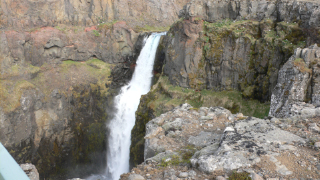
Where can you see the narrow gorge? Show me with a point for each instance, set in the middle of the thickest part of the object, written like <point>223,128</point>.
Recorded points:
<point>233,90</point>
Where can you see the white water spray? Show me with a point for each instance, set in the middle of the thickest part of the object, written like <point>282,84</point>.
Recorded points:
<point>127,103</point>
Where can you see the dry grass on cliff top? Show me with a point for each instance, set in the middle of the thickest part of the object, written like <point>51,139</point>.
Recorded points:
<point>148,28</point>
<point>46,78</point>
<point>301,65</point>
<point>11,92</point>
<point>169,96</point>
<point>71,73</point>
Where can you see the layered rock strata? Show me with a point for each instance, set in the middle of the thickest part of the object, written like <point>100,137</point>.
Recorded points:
<point>307,12</point>
<point>21,14</point>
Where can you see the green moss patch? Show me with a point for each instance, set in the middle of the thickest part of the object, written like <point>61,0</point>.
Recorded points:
<point>148,28</point>
<point>10,93</point>
<point>169,96</point>
<point>45,78</point>
<point>301,65</point>
<point>240,176</point>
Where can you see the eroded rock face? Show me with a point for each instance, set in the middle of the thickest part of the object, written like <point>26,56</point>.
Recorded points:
<point>52,45</point>
<point>297,83</point>
<point>239,55</point>
<point>27,14</point>
<point>283,10</point>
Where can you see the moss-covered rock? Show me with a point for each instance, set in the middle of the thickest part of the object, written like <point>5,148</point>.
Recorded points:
<point>234,55</point>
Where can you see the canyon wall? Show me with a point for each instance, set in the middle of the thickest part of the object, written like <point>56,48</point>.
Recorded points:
<point>305,11</point>
<point>56,94</point>
<point>28,14</point>
<point>243,52</point>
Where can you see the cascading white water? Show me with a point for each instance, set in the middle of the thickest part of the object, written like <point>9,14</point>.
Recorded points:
<point>127,103</point>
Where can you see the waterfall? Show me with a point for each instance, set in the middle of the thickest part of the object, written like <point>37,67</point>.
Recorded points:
<point>127,102</point>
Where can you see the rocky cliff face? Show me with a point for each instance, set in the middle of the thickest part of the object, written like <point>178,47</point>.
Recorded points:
<point>284,10</point>
<point>206,50</point>
<point>56,93</point>
<point>28,14</point>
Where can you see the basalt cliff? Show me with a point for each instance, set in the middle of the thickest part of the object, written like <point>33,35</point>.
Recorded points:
<point>246,69</point>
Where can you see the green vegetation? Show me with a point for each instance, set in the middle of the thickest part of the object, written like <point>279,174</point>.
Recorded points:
<point>240,176</point>
<point>11,92</point>
<point>65,29</point>
<point>301,65</point>
<point>184,157</point>
<point>71,73</point>
<point>96,33</point>
<point>169,96</point>
<point>107,25</point>
<point>62,28</point>
<point>170,161</point>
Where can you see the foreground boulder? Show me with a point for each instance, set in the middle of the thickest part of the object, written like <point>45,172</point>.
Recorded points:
<point>207,142</point>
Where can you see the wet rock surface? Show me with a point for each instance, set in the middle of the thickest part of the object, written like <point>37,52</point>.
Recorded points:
<point>206,143</point>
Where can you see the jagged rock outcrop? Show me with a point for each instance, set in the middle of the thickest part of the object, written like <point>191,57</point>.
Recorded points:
<point>308,12</point>
<point>23,14</point>
<point>208,142</point>
<point>297,83</point>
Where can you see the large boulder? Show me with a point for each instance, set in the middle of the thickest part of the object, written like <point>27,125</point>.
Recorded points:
<point>297,82</point>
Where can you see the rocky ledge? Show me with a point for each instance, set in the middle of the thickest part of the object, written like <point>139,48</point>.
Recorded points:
<point>206,143</point>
